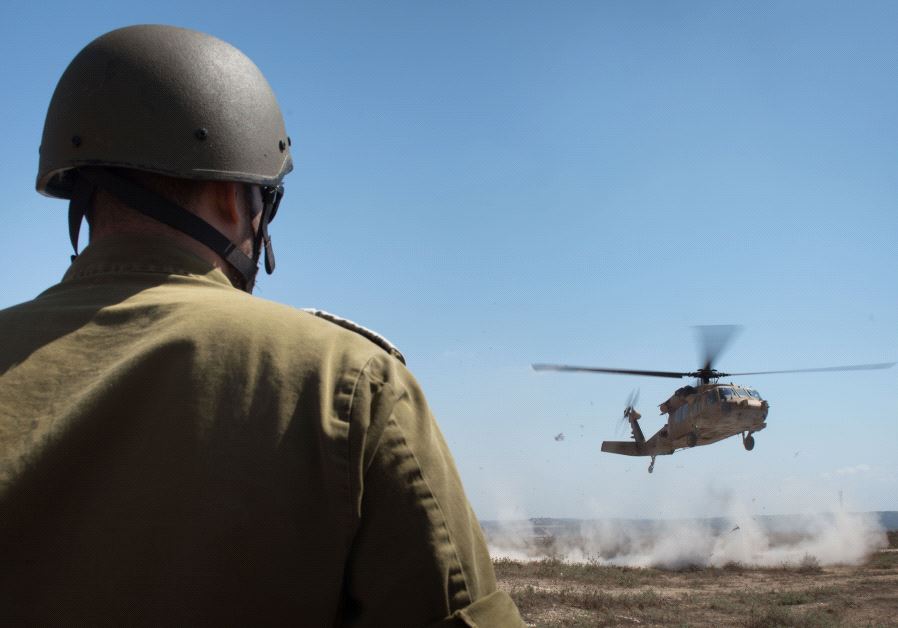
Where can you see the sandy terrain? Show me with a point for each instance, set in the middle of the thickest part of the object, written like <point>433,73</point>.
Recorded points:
<point>552,593</point>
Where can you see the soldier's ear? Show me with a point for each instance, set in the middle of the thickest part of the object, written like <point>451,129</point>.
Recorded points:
<point>226,203</point>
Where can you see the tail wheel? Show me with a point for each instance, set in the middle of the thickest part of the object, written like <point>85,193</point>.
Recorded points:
<point>748,442</point>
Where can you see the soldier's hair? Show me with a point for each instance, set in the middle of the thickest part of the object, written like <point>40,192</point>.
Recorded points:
<point>107,213</point>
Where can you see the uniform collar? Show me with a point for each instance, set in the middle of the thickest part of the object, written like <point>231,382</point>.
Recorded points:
<point>141,254</point>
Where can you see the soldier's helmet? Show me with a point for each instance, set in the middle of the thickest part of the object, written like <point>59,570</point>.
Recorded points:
<point>166,100</point>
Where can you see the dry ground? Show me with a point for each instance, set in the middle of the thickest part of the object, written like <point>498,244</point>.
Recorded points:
<point>552,593</point>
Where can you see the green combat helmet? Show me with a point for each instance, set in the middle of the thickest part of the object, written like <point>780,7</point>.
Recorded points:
<point>170,101</point>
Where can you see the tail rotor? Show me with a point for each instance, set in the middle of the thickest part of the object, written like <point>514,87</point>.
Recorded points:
<point>632,400</point>
<point>632,417</point>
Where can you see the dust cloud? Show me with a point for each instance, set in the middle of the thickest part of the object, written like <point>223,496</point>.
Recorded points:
<point>831,538</point>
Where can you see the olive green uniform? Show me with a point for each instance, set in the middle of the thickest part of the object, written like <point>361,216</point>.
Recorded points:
<point>175,451</point>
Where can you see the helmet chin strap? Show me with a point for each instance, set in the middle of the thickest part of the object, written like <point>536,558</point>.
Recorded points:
<point>159,208</point>
<point>262,239</point>
<point>79,203</point>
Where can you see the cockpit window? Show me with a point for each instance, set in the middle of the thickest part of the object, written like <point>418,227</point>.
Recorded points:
<point>752,393</point>
<point>726,393</point>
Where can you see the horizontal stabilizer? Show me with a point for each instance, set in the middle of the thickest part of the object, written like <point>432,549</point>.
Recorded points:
<point>627,448</point>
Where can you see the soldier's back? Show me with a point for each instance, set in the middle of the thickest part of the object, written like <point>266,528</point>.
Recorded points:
<point>172,448</point>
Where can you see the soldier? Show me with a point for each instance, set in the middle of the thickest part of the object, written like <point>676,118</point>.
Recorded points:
<point>175,451</point>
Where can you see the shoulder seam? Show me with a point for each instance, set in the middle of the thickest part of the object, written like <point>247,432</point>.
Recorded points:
<point>372,336</point>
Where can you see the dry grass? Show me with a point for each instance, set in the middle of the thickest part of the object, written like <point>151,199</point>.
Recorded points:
<point>552,593</point>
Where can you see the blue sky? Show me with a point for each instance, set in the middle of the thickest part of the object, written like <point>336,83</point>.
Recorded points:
<point>495,184</point>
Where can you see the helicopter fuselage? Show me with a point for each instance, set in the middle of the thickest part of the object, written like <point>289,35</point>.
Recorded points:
<point>699,416</point>
<point>714,412</point>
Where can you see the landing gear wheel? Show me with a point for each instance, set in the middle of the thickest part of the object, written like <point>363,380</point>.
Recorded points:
<point>652,465</point>
<point>748,442</point>
<point>692,439</point>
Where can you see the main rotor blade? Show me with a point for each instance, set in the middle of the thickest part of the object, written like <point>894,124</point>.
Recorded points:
<point>591,369</point>
<point>853,367</point>
<point>714,340</point>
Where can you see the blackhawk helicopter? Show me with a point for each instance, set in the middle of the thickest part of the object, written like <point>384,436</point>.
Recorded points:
<point>703,413</point>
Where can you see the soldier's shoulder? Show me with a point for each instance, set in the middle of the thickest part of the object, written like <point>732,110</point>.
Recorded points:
<point>313,328</point>
<point>370,335</point>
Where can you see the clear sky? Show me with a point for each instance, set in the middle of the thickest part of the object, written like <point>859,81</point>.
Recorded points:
<point>490,184</point>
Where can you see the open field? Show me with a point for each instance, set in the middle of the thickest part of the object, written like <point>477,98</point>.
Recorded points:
<point>553,593</point>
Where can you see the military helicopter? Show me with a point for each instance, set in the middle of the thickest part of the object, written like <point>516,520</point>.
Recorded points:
<point>703,413</point>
